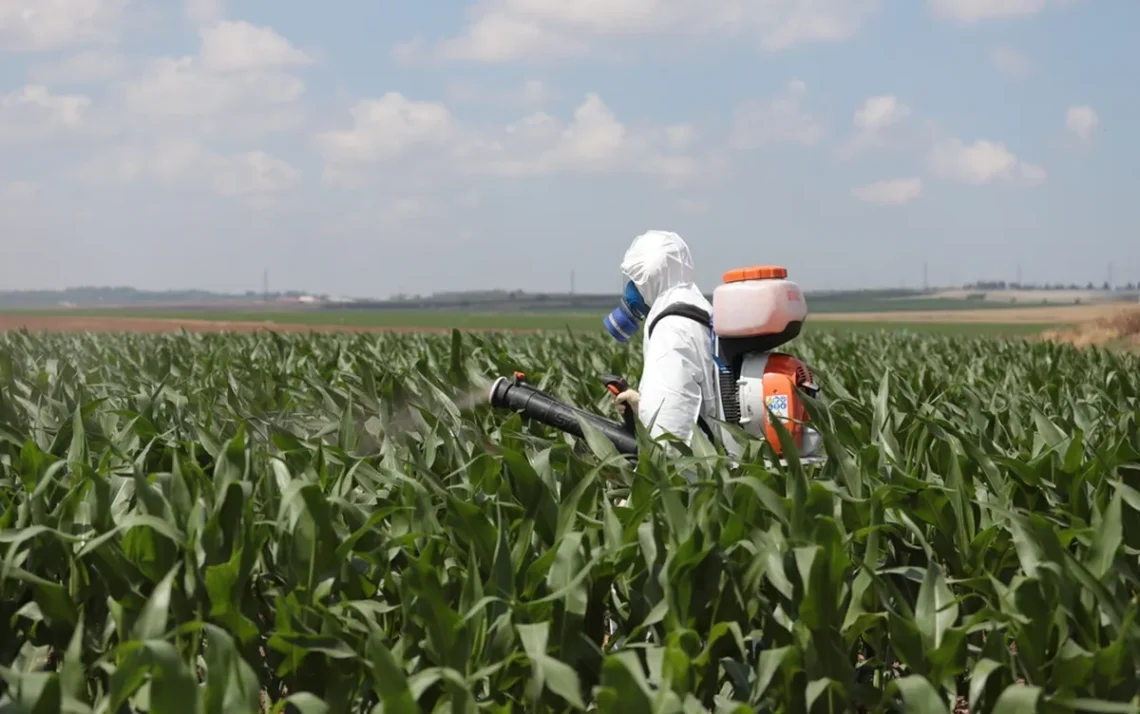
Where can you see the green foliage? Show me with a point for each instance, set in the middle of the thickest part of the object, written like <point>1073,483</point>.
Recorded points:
<point>234,523</point>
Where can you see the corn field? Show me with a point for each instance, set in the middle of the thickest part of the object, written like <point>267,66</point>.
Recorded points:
<point>334,523</point>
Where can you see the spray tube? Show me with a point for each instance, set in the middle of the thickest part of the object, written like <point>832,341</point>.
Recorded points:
<point>535,404</point>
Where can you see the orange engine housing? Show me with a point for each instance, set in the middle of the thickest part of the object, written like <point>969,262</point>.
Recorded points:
<point>778,390</point>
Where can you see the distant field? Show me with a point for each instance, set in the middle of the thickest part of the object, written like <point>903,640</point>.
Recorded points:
<point>822,310</point>
<point>397,319</point>
<point>1033,297</point>
<point>964,329</point>
<point>841,303</point>
<point>957,323</point>
<point>907,304</point>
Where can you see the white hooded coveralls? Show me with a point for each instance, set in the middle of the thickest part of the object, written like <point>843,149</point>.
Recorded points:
<point>678,380</point>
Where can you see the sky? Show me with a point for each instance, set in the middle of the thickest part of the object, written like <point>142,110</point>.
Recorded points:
<point>369,148</point>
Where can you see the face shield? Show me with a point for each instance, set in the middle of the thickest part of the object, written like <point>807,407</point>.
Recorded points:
<point>623,322</point>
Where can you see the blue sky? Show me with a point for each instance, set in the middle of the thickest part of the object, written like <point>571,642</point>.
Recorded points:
<point>370,148</point>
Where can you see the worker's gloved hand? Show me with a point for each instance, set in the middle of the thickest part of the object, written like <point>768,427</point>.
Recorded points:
<point>630,397</point>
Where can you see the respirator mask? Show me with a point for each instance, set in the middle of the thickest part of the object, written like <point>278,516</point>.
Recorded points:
<point>623,322</point>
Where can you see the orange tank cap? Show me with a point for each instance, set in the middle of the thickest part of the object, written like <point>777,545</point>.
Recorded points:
<point>756,272</point>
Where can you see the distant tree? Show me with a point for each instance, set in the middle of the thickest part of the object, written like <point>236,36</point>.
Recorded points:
<point>986,285</point>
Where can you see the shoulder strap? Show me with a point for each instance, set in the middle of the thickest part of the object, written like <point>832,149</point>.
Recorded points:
<point>683,309</point>
<point>692,312</point>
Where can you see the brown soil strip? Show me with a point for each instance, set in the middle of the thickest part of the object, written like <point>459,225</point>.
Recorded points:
<point>1061,315</point>
<point>79,323</point>
<point>1067,314</point>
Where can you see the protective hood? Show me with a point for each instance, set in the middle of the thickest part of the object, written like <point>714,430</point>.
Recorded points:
<point>660,265</point>
<point>678,375</point>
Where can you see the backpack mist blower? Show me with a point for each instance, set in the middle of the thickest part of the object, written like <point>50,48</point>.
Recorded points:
<point>755,311</point>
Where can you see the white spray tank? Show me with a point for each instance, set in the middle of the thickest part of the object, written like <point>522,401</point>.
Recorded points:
<point>756,310</point>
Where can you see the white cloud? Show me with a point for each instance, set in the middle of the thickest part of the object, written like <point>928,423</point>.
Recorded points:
<point>237,83</point>
<point>876,121</point>
<point>893,192</point>
<point>508,30</point>
<point>501,37</point>
<point>884,121</point>
<point>1030,174</point>
<point>978,163</point>
<point>386,128</point>
<point>33,112</point>
<point>238,46</point>
<point>1082,121</point>
<point>595,141</point>
<point>781,120</point>
<point>531,92</point>
<point>969,11</point>
<point>878,113</point>
<point>251,175</point>
<point>1010,62</point>
<point>393,127</point>
<point>680,136</point>
<point>91,66</point>
<point>43,25</point>
<point>981,162</point>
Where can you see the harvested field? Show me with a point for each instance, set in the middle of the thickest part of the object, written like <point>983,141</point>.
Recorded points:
<point>1119,328</point>
<point>1068,314</point>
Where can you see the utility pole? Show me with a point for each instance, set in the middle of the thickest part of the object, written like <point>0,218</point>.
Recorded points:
<point>1019,275</point>
<point>265,286</point>
<point>571,282</point>
<point>925,281</point>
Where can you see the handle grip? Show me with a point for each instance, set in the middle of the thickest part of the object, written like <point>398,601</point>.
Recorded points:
<point>616,385</point>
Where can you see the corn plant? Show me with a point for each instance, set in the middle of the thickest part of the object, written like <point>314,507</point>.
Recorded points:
<point>340,523</point>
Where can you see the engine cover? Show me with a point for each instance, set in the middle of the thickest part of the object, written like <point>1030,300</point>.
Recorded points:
<point>776,381</point>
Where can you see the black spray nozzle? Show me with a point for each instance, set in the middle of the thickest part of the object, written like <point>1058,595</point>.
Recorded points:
<point>535,404</point>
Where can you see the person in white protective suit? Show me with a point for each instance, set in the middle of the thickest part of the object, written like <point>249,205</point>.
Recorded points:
<point>677,391</point>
